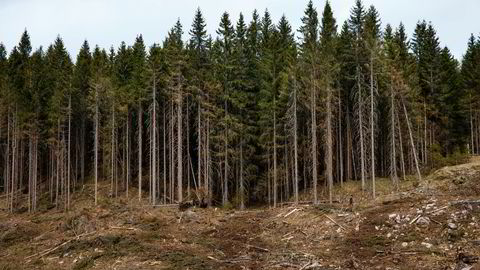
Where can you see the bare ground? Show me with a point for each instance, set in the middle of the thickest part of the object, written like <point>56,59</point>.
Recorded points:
<point>433,225</point>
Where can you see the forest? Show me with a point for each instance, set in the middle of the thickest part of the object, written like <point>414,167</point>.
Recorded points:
<point>257,113</point>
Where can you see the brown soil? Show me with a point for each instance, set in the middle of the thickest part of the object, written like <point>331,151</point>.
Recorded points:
<point>387,233</point>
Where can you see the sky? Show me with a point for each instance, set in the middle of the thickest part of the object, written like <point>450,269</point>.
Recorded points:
<point>108,22</point>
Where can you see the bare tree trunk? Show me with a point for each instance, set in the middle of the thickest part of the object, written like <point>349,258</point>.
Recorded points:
<point>329,154</point>
<point>360,116</point>
<point>425,132</point>
<point>154,152</point>
<point>274,156</point>
<point>349,144</point>
<point>58,164</point>
<point>340,138</point>
<point>242,192</point>
<point>7,161</point>
<point>164,158</point>
<point>372,126</point>
<point>128,151</point>
<point>96,145</point>
<point>412,142</point>
<point>113,150</point>
<point>472,147</point>
<point>199,146</point>
<point>295,141</point>
<point>314,141</point>
<point>179,149</point>
<point>140,153</point>
<point>393,142</point>
<point>68,152</point>
<point>225,179</point>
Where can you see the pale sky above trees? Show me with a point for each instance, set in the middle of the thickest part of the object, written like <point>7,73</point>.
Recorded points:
<point>108,22</point>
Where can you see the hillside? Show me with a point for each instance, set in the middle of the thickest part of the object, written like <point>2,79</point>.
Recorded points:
<point>431,226</point>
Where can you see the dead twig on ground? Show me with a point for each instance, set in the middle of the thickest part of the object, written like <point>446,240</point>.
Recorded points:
<point>50,250</point>
<point>123,228</point>
<point>332,220</point>
<point>258,248</point>
<point>291,212</point>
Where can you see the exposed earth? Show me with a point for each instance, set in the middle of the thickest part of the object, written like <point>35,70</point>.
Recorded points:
<point>433,224</point>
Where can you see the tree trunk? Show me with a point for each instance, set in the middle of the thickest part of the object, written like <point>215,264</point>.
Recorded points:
<point>274,156</point>
<point>394,156</point>
<point>128,152</point>
<point>314,141</point>
<point>295,141</point>
<point>360,116</point>
<point>329,154</point>
<point>372,126</point>
<point>179,149</point>
<point>140,153</point>
<point>96,145</point>
<point>154,151</point>
<point>225,178</point>
<point>242,192</point>
<point>412,143</point>
<point>68,152</point>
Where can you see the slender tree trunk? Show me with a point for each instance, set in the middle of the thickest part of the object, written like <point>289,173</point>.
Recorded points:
<point>329,154</point>
<point>179,149</point>
<point>225,178</point>
<point>340,138</point>
<point>295,141</point>
<point>154,152</point>
<point>393,142</point>
<point>360,116</point>
<point>7,162</point>
<point>412,142</point>
<point>372,126</point>
<point>242,192</point>
<point>199,146</point>
<point>113,150</point>
<point>69,165</point>
<point>274,156</point>
<point>314,141</point>
<point>425,132</point>
<point>472,147</point>
<point>164,158</point>
<point>96,145</point>
<point>140,153</point>
<point>128,152</point>
<point>349,145</point>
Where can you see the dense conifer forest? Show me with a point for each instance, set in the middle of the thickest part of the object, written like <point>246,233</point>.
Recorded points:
<point>256,113</point>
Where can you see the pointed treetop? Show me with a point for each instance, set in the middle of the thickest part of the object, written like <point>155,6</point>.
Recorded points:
<point>198,33</point>
<point>328,29</point>
<point>25,47</point>
<point>372,23</point>
<point>309,29</point>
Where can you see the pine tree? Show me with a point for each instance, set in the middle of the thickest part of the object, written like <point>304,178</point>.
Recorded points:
<point>139,85</point>
<point>328,35</point>
<point>225,65</point>
<point>309,63</point>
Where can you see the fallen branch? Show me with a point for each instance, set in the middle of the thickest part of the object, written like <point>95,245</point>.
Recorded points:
<point>331,219</point>
<point>258,248</point>
<point>165,205</point>
<point>310,265</point>
<point>437,210</point>
<point>291,212</point>
<point>415,219</point>
<point>50,250</point>
<point>123,228</point>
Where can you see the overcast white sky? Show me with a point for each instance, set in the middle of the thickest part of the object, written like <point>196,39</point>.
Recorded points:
<point>108,22</point>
